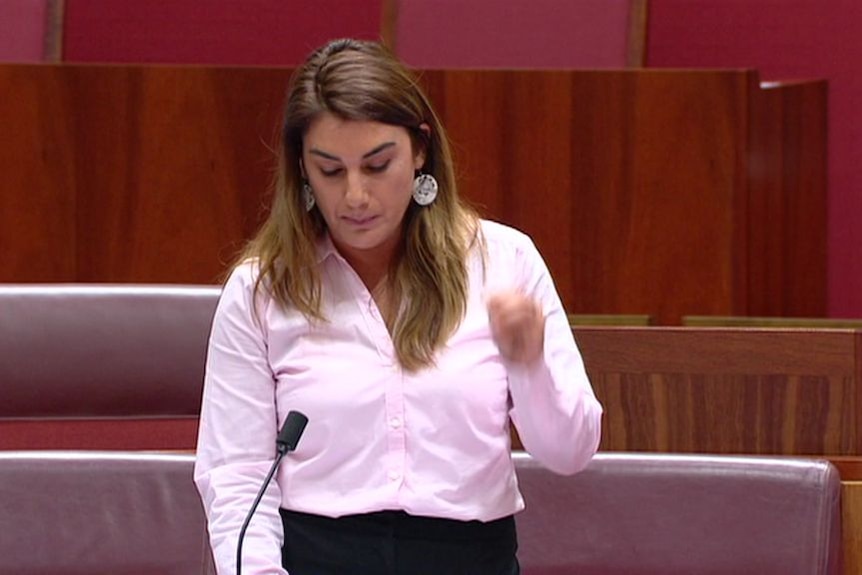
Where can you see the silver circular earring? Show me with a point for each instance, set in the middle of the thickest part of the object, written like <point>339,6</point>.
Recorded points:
<point>424,189</point>
<point>308,196</point>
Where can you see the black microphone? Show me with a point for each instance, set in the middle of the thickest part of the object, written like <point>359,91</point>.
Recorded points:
<point>286,441</point>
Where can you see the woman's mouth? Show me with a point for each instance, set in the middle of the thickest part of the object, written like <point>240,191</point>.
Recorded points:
<point>360,221</point>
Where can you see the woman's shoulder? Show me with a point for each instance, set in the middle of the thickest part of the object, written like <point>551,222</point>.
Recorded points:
<point>243,293</point>
<point>242,282</point>
<point>244,273</point>
<point>496,234</point>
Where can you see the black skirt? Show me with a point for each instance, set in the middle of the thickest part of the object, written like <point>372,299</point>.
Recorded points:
<point>395,543</point>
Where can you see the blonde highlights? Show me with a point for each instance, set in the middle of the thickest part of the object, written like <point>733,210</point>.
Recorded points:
<point>358,80</point>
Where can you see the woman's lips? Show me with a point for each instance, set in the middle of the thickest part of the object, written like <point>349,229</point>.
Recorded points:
<point>360,221</point>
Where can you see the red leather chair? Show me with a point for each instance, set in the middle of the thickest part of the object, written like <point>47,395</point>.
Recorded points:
<point>666,514</point>
<point>218,32</point>
<point>31,30</point>
<point>89,366</point>
<point>67,513</point>
<point>537,34</point>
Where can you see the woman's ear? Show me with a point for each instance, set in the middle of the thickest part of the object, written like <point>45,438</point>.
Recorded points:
<point>302,170</point>
<point>422,147</point>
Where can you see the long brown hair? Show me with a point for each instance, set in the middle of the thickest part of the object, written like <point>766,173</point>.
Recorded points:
<point>360,80</point>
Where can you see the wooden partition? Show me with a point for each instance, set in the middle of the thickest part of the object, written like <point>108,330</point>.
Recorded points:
<point>771,321</point>
<point>638,186</point>
<point>786,40</point>
<point>788,200</point>
<point>132,174</point>
<point>768,391</point>
<point>778,391</point>
<point>643,188</point>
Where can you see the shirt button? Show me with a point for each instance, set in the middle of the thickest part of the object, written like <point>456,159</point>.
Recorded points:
<point>395,422</point>
<point>394,475</point>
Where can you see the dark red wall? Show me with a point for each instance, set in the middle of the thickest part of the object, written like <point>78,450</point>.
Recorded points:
<point>224,32</point>
<point>788,39</point>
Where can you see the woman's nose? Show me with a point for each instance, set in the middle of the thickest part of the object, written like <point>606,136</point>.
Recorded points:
<point>355,195</point>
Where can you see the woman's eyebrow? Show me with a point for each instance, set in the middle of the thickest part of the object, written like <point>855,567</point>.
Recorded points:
<point>328,156</point>
<point>378,149</point>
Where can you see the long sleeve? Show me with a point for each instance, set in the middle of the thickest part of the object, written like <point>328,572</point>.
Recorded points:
<point>554,409</point>
<point>236,441</point>
<point>434,442</point>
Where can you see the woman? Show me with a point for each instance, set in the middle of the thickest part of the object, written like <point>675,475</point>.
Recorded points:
<point>409,332</point>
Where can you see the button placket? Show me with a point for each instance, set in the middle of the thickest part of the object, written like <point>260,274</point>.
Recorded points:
<point>395,431</point>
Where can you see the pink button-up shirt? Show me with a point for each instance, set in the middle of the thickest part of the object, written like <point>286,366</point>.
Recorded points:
<point>435,442</point>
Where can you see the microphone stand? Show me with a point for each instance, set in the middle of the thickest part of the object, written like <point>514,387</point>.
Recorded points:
<point>286,441</point>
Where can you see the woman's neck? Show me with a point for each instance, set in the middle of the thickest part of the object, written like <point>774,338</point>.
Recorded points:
<point>372,265</point>
<point>372,270</point>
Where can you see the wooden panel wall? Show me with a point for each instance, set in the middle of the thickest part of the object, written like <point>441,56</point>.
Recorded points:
<point>788,186</point>
<point>37,192</point>
<point>641,188</point>
<point>635,185</point>
<point>133,174</point>
<point>727,390</point>
<point>851,525</point>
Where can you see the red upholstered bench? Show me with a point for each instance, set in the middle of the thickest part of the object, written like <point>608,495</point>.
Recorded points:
<point>67,513</point>
<point>102,366</point>
<point>539,34</point>
<point>217,32</point>
<point>663,514</point>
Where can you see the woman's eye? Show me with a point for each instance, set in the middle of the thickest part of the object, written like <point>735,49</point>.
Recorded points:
<point>330,173</point>
<point>378,167</point>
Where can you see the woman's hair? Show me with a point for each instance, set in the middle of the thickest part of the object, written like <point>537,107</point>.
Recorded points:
<point>360,80</point>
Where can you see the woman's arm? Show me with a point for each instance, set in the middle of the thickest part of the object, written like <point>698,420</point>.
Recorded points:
<point>553,406</point>
<point>236,439</point>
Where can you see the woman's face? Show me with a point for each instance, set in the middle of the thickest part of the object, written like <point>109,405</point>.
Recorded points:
<point>362,176</point>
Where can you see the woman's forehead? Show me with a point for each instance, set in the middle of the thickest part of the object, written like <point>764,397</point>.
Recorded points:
<point>347,139</point>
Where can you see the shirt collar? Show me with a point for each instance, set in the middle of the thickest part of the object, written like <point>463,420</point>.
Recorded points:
<point>325,248</point>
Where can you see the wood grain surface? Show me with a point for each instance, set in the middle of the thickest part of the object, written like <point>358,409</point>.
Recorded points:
<point>636,185</point>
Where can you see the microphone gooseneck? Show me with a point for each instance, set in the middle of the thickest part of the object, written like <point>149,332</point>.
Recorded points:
<point>285,442</point>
